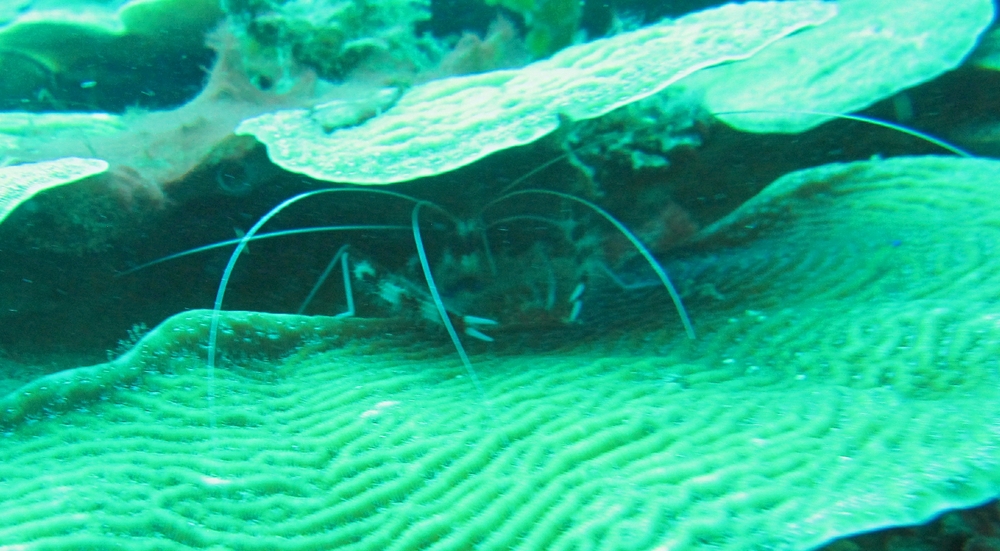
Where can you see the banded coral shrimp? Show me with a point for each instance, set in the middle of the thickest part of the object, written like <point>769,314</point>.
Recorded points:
<point>442,286</point>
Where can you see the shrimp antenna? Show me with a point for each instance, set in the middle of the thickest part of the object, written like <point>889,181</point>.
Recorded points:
<point>213,331</point>
<point>660,273</point>
<point>859,118</point>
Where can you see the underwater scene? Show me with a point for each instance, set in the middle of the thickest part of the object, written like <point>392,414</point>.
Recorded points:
<point>500,275</point>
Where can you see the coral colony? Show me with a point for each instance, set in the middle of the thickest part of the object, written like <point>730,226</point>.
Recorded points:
<point>320,274</point>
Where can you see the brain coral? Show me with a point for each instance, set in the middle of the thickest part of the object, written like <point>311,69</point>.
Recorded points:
<point>844,380</point>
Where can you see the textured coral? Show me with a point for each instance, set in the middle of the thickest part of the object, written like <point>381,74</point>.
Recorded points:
<point>870,51</point>
<point>449,123</point>
<point>844,380</point>
<point>20,183</point>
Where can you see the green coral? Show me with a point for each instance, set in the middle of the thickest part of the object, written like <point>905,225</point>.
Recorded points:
<point>844,380</point>
<point>448,123</point>
<point>871,50</point>
<point>83,55</point>
<point>20,183</point>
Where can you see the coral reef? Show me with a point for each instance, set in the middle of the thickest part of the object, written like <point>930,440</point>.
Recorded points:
<point>842,279</point>
<point>842,382</point>
<point>870,51</point>
<point>89,56</point>
<point>449,123</point>
<point>149,152</point>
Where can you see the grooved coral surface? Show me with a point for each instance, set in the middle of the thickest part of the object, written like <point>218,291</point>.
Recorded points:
<point>448,123</point>
<point>844,379</point>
